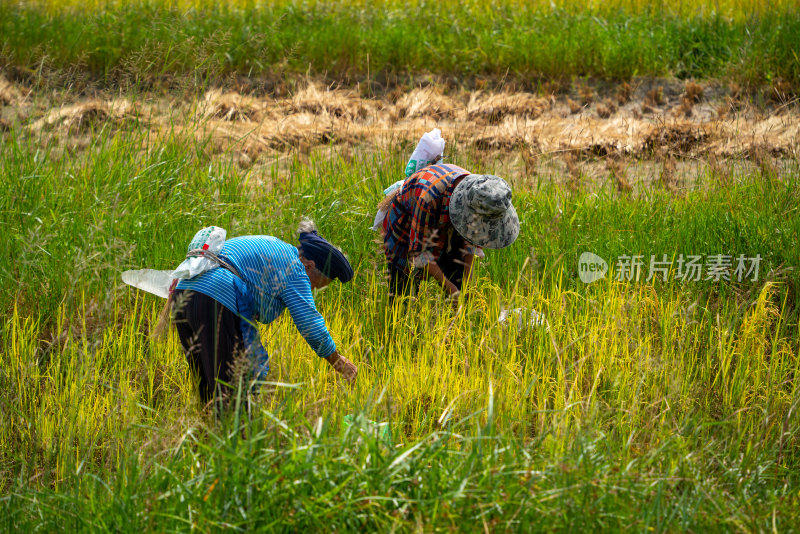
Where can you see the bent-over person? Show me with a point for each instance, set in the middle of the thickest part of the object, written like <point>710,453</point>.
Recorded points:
<point>439,221</point>
<point>257,278</point>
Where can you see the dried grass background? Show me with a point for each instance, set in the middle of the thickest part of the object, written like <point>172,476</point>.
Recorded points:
<point>682,122</point>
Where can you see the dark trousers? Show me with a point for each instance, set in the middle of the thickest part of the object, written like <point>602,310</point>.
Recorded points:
<point>210,337</point>
<point>452,267</point>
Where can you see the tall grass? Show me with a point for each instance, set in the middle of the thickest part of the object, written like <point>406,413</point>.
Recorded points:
<point>660,405</point>
<point>635,408</point>
<point>140,43</point>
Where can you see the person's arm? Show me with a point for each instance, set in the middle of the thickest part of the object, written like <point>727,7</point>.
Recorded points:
<point>432,270</point>
<point>343,366</point>
<point>299,300</point>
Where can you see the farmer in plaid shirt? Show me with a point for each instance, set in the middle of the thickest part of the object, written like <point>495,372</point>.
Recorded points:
<point>439,220</point>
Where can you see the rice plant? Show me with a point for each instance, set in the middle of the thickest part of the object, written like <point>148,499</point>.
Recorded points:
<point>654,404</point>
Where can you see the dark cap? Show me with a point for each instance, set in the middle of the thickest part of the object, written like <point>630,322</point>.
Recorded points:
<point>328,259</point>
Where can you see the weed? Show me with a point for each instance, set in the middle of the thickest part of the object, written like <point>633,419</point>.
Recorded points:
<point>654,97</point>
<point>606,109</point>
<point>624,93</point>
<point>693,92</point>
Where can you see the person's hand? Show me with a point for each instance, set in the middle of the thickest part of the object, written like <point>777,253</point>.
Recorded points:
<point>453,294</point>
<point>453,298</point>
<point>343,366</point>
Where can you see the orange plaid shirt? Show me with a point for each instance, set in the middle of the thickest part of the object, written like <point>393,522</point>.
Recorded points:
<point>419,217</point>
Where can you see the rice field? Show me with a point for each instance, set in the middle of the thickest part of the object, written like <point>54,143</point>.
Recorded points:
<point>268,46</point>
<point>661,397</point>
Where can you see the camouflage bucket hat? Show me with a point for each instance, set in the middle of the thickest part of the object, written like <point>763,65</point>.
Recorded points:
<point>481,211</point>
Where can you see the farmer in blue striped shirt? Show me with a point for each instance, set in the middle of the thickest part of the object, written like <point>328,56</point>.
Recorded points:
<point>216,312</point>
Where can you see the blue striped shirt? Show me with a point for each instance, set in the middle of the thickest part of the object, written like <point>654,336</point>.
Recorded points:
<point>273,279</point>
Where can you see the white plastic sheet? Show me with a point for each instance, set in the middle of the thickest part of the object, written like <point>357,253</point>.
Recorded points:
<point>158,283</point>
<point>150,280</point>
<point>429,149</point>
